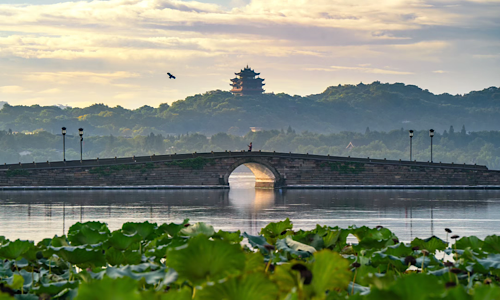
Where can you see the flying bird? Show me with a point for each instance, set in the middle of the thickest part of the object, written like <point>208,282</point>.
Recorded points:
<point>170,76</point>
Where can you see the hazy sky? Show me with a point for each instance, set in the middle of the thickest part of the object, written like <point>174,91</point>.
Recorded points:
<point>119,51</point>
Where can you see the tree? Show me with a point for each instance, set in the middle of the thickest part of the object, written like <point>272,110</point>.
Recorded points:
<point>463,131</point>
<point>451,131</point>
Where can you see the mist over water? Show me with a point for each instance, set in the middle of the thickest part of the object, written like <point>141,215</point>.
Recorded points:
<point>36,215</point>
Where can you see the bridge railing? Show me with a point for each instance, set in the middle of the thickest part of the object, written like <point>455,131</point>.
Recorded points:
<point>227,154</point>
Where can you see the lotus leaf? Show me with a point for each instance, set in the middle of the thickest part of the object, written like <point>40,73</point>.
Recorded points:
<point>371,233</point>
<point>385,262</point>
<point>492,244</point>
<point>431,244</point>
<point>87,235</point>
<point>172,229</point>
<point>232,237</point>
<point>196,229</point>
<point>276,229</point>
<point>332,238</point>
<point>5,296</point>
<point>13,250</point>
<point>249,287</point>
<point>471,242</point>
<point>27,297</point>
<point>79,255</point>
<point>491,262</point>
<point>298,246</point>
<point>293,248</point>
<point>357,289</point>
<point>95,225</point>
<point>215,265</point>
<point>286,278</point>
<point>122,241</point>
<point>416,287</point>
<point>15,282</point>
<point>56,287</point>
<point>116,257</point>
<point>110,289</point>
<point>181,294</point>
<point>259,242</point>
<point>310,238</point>
<point>152,277</point>
<point>456,293</point>
<point>254,262</point>
<point>487,293</point>
<point>400,250</point>
<point>202,259</point>
<point>330,272</point>
<point>146,230</point>
<point>58,241</point>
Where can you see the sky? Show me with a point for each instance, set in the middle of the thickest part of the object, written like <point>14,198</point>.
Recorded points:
<point>118,52</point>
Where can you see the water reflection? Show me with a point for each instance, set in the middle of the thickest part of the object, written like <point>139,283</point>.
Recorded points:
<point>38,214</point>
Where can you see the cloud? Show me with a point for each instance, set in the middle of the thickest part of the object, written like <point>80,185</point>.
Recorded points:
<point>71,77</point>
<point>12,89</point>
<point>361,69</point>
<point>439,71</point>
<point>121,49</point>
<point>50,91</point>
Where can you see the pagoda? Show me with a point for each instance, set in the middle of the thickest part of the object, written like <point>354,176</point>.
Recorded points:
<point>246,83</point>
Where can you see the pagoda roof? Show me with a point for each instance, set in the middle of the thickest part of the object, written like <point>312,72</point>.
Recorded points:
<point>247,71</point>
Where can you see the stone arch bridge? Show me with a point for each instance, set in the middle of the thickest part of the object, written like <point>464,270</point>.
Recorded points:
<point>272,170</point>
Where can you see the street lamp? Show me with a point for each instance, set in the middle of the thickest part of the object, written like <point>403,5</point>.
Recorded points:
<point>411,137</point>
<point>64,142</point>
<point>431,134</point>
<point>80,131</point>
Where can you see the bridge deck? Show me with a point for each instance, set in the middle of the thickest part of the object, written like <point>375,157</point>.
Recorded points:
<point>173,157</point>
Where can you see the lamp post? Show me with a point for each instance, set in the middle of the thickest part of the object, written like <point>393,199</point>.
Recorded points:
<point>431,134</point>
<point>64,142</point>
<point>411,138</point>
<point>80,131</point>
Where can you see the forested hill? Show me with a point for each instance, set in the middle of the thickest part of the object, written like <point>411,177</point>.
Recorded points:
<point>344,107</point>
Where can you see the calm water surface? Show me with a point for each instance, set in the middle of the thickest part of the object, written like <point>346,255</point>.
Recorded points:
<point>36,215</point>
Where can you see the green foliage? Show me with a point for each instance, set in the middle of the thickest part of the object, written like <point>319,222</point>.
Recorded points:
<point>183,261</point>
<point>345,167</point>
<point>108,288</point>
<point>114,169</point>
<point>249,287</point>
<point>204,259</point>
<point>274,230</point>
<point>431,244</point>
<point>16,172</point>
<point>196,229</point>
<point>13,250</point>
<point>192,163</point>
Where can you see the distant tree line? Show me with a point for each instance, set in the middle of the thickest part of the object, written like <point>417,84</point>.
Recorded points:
<point>459,146</point>
<point>338,108</point>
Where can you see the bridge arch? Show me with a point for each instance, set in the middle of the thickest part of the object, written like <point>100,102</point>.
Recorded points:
<point>266,176</point>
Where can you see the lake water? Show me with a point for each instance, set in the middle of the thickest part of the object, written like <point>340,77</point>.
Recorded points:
<point>36,215</point>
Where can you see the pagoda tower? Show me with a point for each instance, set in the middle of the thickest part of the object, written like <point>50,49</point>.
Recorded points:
<point>246,83</point>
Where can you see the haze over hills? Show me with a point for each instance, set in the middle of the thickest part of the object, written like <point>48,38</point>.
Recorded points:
<point>339,108</point>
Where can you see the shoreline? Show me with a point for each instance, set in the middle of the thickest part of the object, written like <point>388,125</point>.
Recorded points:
<point>290,187</point>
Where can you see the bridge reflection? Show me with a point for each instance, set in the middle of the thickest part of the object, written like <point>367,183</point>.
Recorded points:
<point>410,214</point>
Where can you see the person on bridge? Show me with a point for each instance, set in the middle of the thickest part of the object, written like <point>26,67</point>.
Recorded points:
<point>250,147</point>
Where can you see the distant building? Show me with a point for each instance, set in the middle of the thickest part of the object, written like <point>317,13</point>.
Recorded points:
<point>246,83</point>
<point>350,146</point>
<point>256,129</point>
